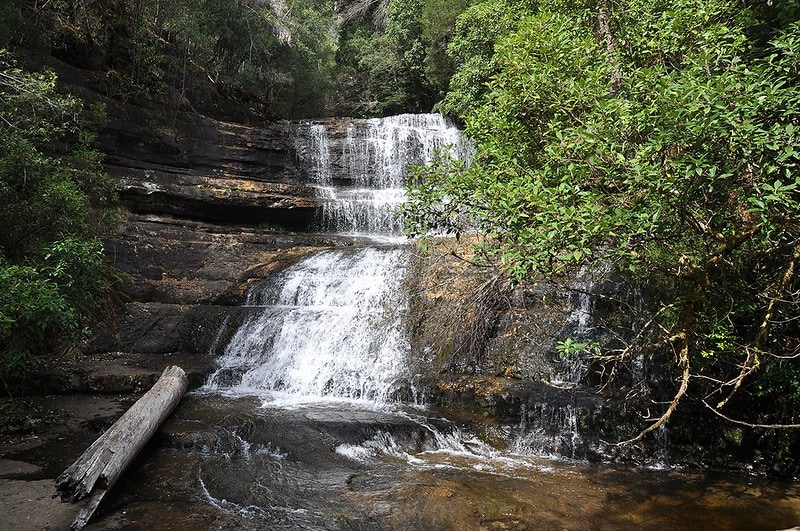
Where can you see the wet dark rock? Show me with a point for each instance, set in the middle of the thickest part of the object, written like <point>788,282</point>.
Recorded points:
<point>18,469</point>
<point>505,399</point>
<point>198,168</point>
<point>195,437</point>
<point>228,376</point>
<point>571,422</point>
<point>223,199</point>
<point>113,372</point>
<point>158,328</point>
<point>181,279</point>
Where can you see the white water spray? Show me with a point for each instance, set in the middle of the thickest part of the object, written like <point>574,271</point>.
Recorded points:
<point>332,325</point>
<point>360,171</point>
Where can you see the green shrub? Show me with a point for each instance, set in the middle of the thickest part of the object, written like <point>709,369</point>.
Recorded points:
<point>54,199</point>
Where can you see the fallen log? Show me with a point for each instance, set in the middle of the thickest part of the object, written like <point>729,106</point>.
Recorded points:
<point>96,471</point>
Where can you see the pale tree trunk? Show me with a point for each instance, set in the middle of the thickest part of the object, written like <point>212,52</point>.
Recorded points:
<point>604,29</point>
<point>100,466</point>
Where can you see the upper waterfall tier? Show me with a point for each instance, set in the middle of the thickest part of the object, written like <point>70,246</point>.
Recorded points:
<point>360,167</point>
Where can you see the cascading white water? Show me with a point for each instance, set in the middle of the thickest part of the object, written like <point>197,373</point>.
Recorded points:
<point>329,326</point>
<point>319,154</point>
<point>580,323</point>
<point>548,430</point>
<point>360,170</point>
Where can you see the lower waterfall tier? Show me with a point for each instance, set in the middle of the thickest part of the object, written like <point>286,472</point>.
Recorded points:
<point>331,325</point>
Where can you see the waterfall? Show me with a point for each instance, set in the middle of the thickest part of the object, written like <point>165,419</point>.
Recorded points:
<point>580,324</point>
<point>360,169</point>
<point>333,324</point>
<point>548,430</point>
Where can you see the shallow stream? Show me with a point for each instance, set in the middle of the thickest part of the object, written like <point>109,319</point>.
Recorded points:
<point>234,463</point>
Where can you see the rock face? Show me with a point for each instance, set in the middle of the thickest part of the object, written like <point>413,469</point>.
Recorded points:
<point>216,199</point>
<point>198,168</point>
<point>491,350</point>
<point>180,277</point>
<point>467,321</point>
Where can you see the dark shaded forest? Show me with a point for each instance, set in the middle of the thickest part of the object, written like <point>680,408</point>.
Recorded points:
<point>251,59</point>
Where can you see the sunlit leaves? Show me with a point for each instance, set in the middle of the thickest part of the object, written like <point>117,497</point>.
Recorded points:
<point>668,148</point>
<point>567,163</point>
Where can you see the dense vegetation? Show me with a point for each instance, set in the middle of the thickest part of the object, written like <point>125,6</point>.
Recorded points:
<point>54,200</point>
<point>392,55</point>
<point>251,59</point>
<point>658,135</point>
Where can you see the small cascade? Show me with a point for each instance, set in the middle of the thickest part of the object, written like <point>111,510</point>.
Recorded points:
<point>431,441</point>
<point>360,169</point>
<point>581,316</point>
<point>329,326</point>
<point>580,326</point>
<point>549,430</point>
<point>319,155</point>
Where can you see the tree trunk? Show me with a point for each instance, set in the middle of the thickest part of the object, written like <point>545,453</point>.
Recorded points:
<point>96,471</point>
<point>604,28</point>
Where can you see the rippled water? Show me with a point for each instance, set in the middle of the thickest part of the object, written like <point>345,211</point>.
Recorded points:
<point>233,464</point>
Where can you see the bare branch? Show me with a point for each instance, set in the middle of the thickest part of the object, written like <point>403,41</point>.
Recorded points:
<point>628,350</point>
<point>748,424</point>
<point>673,405</point>
<point>753,362</point>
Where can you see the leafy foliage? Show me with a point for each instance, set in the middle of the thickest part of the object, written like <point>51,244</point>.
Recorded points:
<point>246,58</point>
<point>267,57</point>
<point>476,32</point>
<point>391,55</point>
<point>662,137</point>
<point>438,28</point>
<point>54,197</point>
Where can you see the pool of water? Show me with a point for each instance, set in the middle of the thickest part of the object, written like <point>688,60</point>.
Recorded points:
<point>232,463</point>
